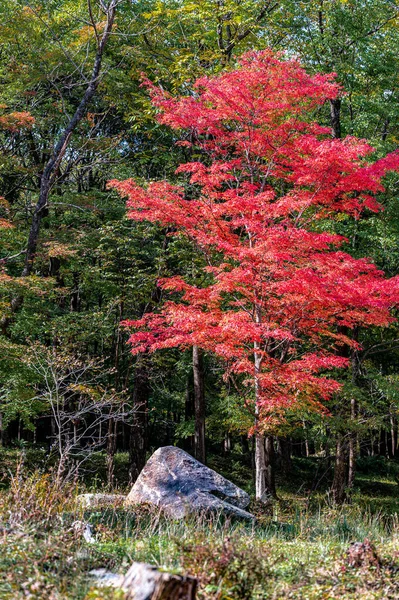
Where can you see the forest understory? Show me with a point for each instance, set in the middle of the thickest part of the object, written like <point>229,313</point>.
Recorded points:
<point>301,546</point>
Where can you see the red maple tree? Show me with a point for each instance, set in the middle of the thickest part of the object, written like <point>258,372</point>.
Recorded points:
<point>281,290</point>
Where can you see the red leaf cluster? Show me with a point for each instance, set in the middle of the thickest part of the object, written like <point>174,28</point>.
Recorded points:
<point>281,291</point>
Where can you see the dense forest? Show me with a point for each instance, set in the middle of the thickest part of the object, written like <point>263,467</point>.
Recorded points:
<point>75,115</point>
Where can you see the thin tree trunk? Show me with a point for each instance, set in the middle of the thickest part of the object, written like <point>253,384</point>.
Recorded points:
<point>253,465</point>
<point>227,443</point>
<point>284,455</point>
<point>189,412</point>
<point>51,168</point>
<point>270,465</point>
<point>306,439</point>
<point>335,114</point>
<point>265,468</point>
<point>111,449</point>
<point>386,444</point>
<point>385,130</point>
<point>75,296</point>
<point>353,438</point>
<point>139,428</point>
<point>199,405</point>
<point>339,484</point>
<point>381,443</point>
<point>352,447</point>
<point>261,490</point>
<point>53,430</point>
<point>393,444</point>
<point>264,451</point>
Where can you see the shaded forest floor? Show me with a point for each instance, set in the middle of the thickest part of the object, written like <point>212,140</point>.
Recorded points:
<point>298,548</point>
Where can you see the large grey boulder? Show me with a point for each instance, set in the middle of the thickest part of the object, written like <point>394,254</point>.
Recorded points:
<point>175,482</point>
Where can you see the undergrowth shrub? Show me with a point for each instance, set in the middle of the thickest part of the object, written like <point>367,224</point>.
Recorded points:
<point>38,496</point>
<point>226,569</point>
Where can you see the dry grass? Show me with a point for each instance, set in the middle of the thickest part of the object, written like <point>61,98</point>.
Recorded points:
<point>297,550</point>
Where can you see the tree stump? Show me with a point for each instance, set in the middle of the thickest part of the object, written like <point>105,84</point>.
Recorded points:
<point>146,582</point>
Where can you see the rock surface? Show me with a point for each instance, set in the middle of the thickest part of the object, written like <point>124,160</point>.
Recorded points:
<point>100,500</point>
<point>178,484</point>
<point>85,530</point>
<point>104,578</point>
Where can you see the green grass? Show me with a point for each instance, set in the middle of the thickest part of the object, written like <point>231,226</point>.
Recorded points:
<point>296,550</point>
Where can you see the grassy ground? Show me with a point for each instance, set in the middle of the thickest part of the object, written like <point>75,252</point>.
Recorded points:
<point>298,549</point>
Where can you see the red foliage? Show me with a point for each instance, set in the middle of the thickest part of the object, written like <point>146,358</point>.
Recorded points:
<point>4,224</point>
<point>282,291</point>
<point>15,121</point>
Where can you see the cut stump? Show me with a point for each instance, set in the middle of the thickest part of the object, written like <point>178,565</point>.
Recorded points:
<point>146,582</point>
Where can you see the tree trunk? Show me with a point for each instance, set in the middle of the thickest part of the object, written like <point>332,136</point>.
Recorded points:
<point>385,130</point>
<point>261,490</point>
<point>270,465</point>
<point>139,427</point>
<point>335,114</point>
<point>199,405</point>
<point>189,412</point>
<point>111,449</point>
<point>50,170</point>
<point>227,443</point>
<point>353,436</point>
<point>264,449</point>
<point>284,455</point>
<point>386,444</point>
<point>338,488</point>
<point>393,444</point>
<point>306,443</point>
<point>352,448</point>
<point>382,442</point>
<point>265,468</point>
<point>75,296</point>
